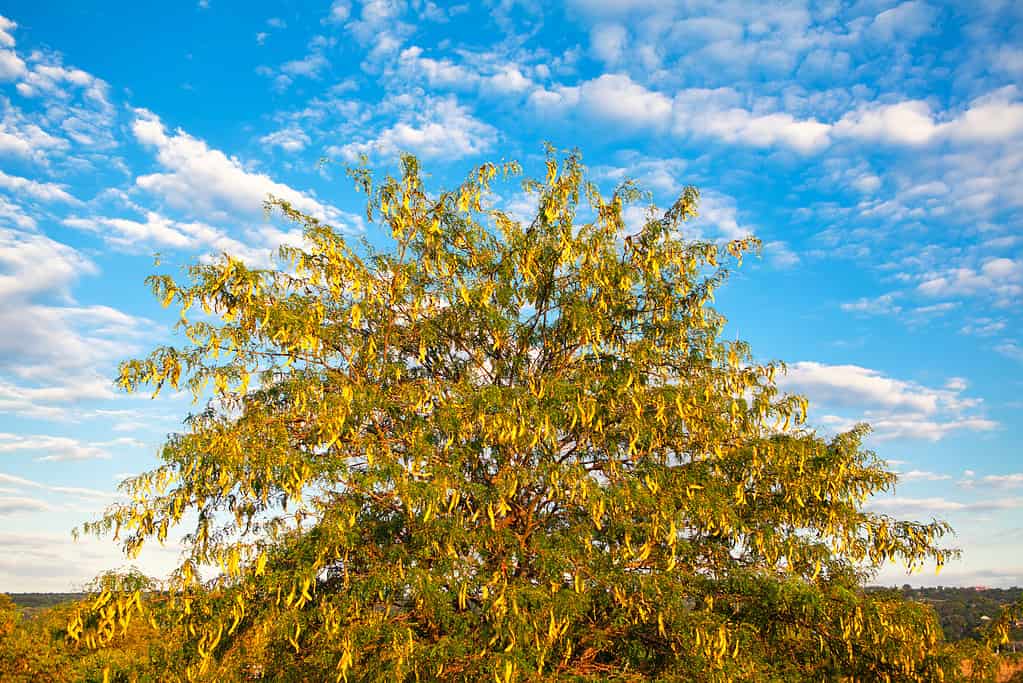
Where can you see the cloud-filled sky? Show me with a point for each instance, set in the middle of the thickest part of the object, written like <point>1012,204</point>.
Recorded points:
<point>875,147</point>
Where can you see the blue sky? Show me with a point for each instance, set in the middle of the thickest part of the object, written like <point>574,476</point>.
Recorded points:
<point>876,148</point>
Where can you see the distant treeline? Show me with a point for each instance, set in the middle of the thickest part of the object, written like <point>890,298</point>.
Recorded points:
<point>33,603</point>
<point>962,610</point>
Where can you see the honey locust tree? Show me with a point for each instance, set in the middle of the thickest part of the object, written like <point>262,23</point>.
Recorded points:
<point>503,449</point>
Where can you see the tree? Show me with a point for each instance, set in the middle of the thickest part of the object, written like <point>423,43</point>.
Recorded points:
<point>505,450</point>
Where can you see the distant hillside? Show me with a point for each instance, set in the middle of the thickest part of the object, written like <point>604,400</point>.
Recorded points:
<point>33,603</point>
<point>962,610</point>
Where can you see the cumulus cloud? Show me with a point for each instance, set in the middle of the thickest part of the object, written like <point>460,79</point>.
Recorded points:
<point>55,358</point>
<point>610,98</point>
<point>895,408</point>
<point>880,305</point>
<point>340,10</point>
<point>725,114</point>
<point>995,117</point>
<point>437,73</point>
<point>719,114</point>
<point>158,231</point>
<point>1011,349</point>
<point>291,139</point>
<point>7,27</point>
<point>720,214</point>
<point>379,27</point>
<point>40,190</point>
<point>781,254</point>
<point>907,20</point>
<point>12,67</point>
<point>13,215</point>
<point>619,100</point>
<point>608,42</point>
<point>33,264</point>
<point>21,138</point>
<point>200,179</point>
<point>1000,278</point>
<point>443,128</point>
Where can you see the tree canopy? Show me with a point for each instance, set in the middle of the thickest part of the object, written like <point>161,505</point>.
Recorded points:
<point>504,448</point>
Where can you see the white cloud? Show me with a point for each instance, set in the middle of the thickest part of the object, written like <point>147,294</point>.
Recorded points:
<point>719,211</point>
<point>49,402</point>
<point>55,358</point>
<point>707,113</point>
<point>45,191</point>
<point>983,327</point>
<point>508,80</point>
<point>491,77</point>
<point>658,175</point>
<point>610,98</point>
<point>608,42</point>
<point>1011,349</point>
<point>619,100</point>
<point>309,66</point>
<point>879,305</point>
<point>867,183</point>
<point>32,264</point>
<point>996,117</point>
<point>438,73</point>
<point>340,10</point>
<point>20,138</point>
<point>12,67</point>
<point>56,562</point>
<point>1004,480</point>
<point>998,481</point>
<point>379,28</point>
<point>780,254</point>
<point>895,409</point>
<point>13,215</point>
<point>892,426</point>
<point>206,180</point>
<point>936,505</point>
<point>921,475</point>
<point>852,385</point>
<point>10,505</point>
<point>443,128</point>
<point>159,231</point>
<point>1001,278</point>
<point>907,20</point>
<point>7,27</point>
<point>906,122</point>
<point>726,114</point>
<point>59,448</point>
<point>290,139</point>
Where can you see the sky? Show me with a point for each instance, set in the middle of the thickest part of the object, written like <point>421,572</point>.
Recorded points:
<point>875,147</point>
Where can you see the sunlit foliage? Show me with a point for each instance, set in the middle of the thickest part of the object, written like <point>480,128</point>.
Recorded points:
<point>503,450</point>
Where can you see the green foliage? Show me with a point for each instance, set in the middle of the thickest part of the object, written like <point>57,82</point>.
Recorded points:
<point>508,451</point>
<point>962,611</point>
<point>37,649</point>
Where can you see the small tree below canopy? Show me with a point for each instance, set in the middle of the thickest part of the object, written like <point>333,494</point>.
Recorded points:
<point>507,451</point>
